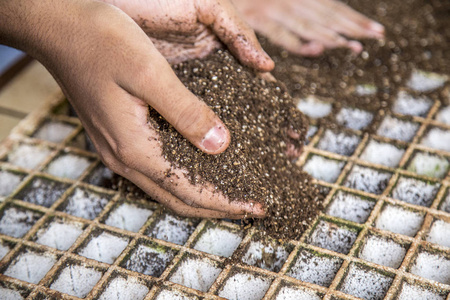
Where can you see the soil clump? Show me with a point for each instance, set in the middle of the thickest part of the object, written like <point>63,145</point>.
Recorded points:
<point>255,166</point>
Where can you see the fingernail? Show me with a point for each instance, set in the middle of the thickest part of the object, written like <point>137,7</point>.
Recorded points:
<point>355,46</point>
<point>214,139</point>
<point>312,49</point>
<point>377,27</point>
<point>255,209</point>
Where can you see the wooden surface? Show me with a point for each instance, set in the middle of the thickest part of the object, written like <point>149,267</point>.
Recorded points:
<point>23,89</point>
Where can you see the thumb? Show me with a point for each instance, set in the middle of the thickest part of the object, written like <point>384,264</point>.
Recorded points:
<point>159,87</point>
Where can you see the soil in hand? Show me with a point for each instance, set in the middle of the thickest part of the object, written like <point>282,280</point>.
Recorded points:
<point>264,122</point>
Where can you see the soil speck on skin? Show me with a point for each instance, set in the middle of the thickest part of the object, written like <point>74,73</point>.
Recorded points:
<point>255,166</point>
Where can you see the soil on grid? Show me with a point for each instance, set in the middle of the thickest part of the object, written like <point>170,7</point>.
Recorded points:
<point>417,37</point>
<point>245,103</point>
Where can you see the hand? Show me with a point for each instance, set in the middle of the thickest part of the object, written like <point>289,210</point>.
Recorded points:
<point>308,27</point>
<point>110,71</point>
<point>187,29</point>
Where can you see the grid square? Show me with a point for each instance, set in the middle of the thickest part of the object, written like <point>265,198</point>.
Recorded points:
<point>314,107</point>
<point>245,286</point>
<point>68,165</point>
<point>10,294</point>
<point>415,191</point>
<point>333,237</point>
<point>439,233</point>
<point>30,266</point>
<point>8,182</point>
<point>16,221</point>
<point>104,247</point>
<point>382,153</point>
<point>407,104</point>
<point>196,273</point>
<point>366,283</point>
<point>397,129</point>
<point>444,115</point>
<point>218,240</point>
<point>429,165</point>
<point>366,89</point>
<point>399,220</point>
<point>121,288</point>
<point>312,130</point>
<point>350,207</point>
<point>323,168</point>
<point>423,81</point>
<point>339,142</point>
<point>28,156</point>
<point>84,203</point>
<point>354,118</point>
<point>266,253</point>
<point>59,234</point>
<point>42,191</point>
<point>434,266</point>
<point>5,247</point>
<point>10,291</point>
<point>82,141</point>
<point>129,217</point>
<point>367,180</point>
<point>100,176</point>
<point>290,292</point>
<point>414,291</point>
<point>315,268</point>
<point>437,138</point>
<point>54,131</point>
<point>445,204</point>
<point>174,294</point>
<point>76,280</point>
<point>173,229</point>
<point>382,251</point>
<point>149,259</point>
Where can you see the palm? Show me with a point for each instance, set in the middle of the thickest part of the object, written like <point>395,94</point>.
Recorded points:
<point>184,29</point>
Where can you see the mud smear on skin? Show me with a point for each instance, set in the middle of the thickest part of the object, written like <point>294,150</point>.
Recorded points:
<point>417,37</point>
<point>255,166</point>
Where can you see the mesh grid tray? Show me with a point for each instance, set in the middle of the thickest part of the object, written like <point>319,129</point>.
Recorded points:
<point>384,234</point>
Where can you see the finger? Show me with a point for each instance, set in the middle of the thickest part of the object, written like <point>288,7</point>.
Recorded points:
<point>311,31</point>
<point>354,24</point>
<point>232,30</point>
<point>170,201</point>
<point>282,37</point>
<point>339,17</point>
<point>173,203</point>
<point>158,86</point>
<point>293,150</point>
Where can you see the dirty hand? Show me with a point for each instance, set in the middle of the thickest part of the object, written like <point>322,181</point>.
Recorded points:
<point>111,71</point>
<point>308,27</point>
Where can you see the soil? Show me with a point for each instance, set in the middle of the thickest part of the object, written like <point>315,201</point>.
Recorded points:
<point>255,166</point>
<point>417,37</point>
<point>258,113</point>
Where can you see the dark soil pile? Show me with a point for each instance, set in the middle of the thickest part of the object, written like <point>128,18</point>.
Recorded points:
<point>417,37</point>
<point>255,166</point>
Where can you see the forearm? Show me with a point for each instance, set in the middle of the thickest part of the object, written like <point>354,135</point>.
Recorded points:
<point>42,28</point>
<point>25,24</point>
